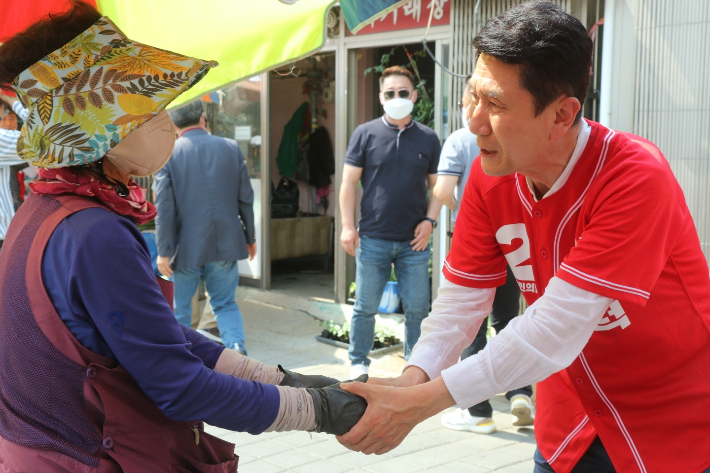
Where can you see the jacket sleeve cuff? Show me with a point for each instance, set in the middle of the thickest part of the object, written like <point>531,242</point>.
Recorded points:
<point>428,360</point>
<point>467,382</point>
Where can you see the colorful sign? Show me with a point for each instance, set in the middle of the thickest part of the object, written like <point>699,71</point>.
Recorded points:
<point>414,14</point>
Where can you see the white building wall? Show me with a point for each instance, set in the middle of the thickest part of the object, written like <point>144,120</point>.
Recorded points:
<point>658,88</point>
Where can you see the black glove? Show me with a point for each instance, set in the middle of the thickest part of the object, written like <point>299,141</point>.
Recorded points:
<point>337,411</point>
<point>297,380</point>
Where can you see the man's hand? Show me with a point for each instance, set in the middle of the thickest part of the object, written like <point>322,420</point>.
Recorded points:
<point>349,240</point>
<point>421,235</point>
<point>411,376</point>
<point>392,413</point>
<point>251,249</point>
<point>164,266</point>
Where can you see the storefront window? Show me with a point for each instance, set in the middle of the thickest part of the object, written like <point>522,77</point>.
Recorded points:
<point>236,114</point>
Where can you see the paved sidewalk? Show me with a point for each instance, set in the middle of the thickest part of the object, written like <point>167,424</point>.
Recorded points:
<point>278,335</point>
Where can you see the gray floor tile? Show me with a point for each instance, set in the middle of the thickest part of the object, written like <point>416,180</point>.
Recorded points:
<point>263,448</point>
<point>322,466</point>
<point>526,466</point>
<point>358,460</point>
<point>460,467</point>
<point>292,458</point>
<point>327,449</point>
<point>501,457</point>
<point>260,467</point>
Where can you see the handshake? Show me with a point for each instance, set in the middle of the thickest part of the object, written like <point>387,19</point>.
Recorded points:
<point>336,410</point>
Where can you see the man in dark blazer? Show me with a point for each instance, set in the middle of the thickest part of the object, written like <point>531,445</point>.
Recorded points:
<point>205,221</point>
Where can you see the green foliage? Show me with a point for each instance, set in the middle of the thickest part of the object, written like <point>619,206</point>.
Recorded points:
<point>381,331</point>
<point>424,108</point>
<point>335,329</point>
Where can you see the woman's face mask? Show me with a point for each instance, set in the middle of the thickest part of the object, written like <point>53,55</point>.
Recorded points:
<point>146,150</point>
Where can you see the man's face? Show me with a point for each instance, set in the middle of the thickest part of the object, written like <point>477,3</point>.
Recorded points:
<point>395,86</point>
<point>502,113</point>
<point>9,121</point>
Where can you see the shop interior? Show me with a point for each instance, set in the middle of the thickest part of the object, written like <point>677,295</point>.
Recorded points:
<point>302,169</point>
<point>302,128</point>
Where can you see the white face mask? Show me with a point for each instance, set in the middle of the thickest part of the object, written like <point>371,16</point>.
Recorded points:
<point>398,108</point>
<point>146,150</point>
<point>464,118</point>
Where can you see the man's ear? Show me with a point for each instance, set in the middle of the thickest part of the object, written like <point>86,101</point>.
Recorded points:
<point>414,96</point>
<point>566,109</point>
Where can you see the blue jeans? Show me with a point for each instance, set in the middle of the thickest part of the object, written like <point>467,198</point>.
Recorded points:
<point>374,263</point>
<point>150,240</point>
<point>596,460</point>
<point>221,279</point>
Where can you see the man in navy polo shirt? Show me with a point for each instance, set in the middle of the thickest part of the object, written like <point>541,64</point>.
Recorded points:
<point>394,157</point>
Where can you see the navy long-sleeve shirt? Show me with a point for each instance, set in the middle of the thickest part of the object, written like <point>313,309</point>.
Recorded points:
<point>97,271</point>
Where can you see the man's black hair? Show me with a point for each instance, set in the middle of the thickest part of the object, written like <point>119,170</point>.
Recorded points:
<point>187,116</point>
<point>551,46</point>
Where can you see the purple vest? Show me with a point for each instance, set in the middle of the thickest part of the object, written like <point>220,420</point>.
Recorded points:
<point>64,408</point>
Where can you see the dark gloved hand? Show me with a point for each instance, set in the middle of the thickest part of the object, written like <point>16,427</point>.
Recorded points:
<point>297,380</point>
<point>337,411</point>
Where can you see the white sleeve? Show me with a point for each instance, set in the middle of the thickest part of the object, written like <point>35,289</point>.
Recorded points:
<point>455,317</point>
<point>544,340</point>
<point>21,111</point>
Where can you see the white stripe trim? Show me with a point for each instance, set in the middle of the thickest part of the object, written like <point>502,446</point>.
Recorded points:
<point>569,438</point>
<point>7,206</point>
<point>613,410</point>
<point>604,283</point>
<point>578,204</point>
<point>475,277</point>
<point>524,201</point>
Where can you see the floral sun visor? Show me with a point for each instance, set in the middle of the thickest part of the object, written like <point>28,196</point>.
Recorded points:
<point>88,95</point>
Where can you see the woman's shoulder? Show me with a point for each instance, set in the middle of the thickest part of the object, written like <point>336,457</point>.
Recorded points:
<point>97,223</point>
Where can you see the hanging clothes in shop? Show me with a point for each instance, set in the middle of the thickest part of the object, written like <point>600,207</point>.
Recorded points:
<point>296,130</point>
<point>321,160</point>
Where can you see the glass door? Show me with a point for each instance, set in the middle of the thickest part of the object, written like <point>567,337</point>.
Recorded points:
<point>237,112</point>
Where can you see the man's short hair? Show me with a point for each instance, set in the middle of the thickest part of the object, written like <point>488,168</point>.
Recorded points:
<point>189,115</point>
<point>551,46</point>
<point>396,71</point>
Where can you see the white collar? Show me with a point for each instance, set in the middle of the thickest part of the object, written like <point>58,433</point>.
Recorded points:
<point>582,140</point>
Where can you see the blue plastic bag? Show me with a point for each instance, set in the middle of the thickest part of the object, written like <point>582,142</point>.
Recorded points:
<point>390,298</point>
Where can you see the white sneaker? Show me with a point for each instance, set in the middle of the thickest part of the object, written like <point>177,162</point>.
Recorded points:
<point>357,370</point>
<point>522,409</point>
<point>239,349</point>
<point>210,335</point>
<point>460,419</point>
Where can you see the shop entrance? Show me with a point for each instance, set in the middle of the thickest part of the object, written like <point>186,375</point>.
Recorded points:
<point>363,101</point>
<point>302,168</point>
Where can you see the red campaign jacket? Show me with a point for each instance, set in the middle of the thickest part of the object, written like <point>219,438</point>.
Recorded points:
<point>619,227</point>
<point>127,432</point>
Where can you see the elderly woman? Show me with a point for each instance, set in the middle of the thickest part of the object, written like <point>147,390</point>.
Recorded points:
<point>96,375</point>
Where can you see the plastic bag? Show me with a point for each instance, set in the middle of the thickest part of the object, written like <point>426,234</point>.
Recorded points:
<point>390,298</point>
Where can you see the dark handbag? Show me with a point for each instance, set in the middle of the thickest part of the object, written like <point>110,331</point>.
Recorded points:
<point>284,199</point>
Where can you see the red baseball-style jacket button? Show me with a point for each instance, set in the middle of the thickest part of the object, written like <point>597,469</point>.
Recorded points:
<point>579,380</point>
<point>544,254</point>
<point>597,413</point>
<point>537,213</point>
<point>108,443</point>
<point>91,372</point>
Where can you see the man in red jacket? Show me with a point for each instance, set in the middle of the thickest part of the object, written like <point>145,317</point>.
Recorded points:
<point>600,240</point>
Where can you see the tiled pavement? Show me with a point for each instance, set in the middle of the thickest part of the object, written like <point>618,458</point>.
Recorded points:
<point>277,335</point>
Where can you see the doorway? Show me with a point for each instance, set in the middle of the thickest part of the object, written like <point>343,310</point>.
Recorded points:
<point>302,168</point>
<point>364,104</point>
